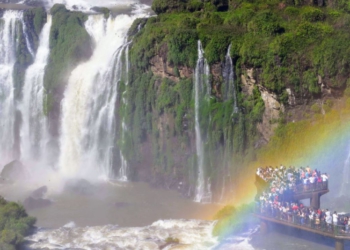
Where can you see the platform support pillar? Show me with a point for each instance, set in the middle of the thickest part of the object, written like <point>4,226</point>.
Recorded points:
<point>315,201</point>
<point>339,244</point>
<point>264,227</point>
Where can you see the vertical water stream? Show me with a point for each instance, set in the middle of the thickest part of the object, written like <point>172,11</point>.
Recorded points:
<point>202,90</point>
<point>9,33</point>
<point>88,139</point>
<point>34,135</point>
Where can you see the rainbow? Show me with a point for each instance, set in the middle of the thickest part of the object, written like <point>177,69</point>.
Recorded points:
<point>321,142</point>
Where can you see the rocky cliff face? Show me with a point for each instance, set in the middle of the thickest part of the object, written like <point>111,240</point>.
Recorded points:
<point>161,67</point>
<point>159,97</point>
<point>273,108</point>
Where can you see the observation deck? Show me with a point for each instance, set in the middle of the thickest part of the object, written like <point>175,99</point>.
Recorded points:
<point>336,232</point>
<point>313,192</point>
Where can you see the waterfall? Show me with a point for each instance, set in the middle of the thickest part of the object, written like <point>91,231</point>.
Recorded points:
<point>123,171</point>
<point>228,74</point>
<point>86,5</point>
<point>29,46</point>
<point>88,134</point>
<point>202,90</point>
<point>9,30</point>
<point>34,135</point>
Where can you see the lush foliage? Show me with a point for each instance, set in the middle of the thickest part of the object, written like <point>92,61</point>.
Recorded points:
<point>162,6</point>
<point>69,44</point>
<point>14,224</point>
<point>292,45</point>
<point>271,35</point>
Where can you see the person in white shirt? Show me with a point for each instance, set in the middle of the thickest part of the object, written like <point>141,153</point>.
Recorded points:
<point>335,218</point>
<point>312,179</point>
<point>324,177</point>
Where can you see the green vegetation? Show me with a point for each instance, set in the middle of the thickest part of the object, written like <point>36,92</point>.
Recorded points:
<point>69,44</point>
<point>162,6</point>
<point>14,224</point>
<point>35,20</point>
<point>271,35</point>
<point>290,44</point>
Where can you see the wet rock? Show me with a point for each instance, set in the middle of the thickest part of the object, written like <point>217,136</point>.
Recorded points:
<point>35,3</point>
<point>13,171</point>
<point>32,203</point>
<point>248,82</point>
<point>160,66</point>
<point>273,108</point>
<point>39,193</point>
<point>80,186</point>
<point>101,10</point>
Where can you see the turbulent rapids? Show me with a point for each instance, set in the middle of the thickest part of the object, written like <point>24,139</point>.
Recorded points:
<point>88,148</point>
<point>190,234</point>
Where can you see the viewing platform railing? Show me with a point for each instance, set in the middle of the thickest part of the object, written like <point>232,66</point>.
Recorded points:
<point>311,187</point>
<point>293,219</point>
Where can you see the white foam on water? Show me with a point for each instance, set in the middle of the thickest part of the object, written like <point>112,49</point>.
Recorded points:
<point>237,241</point>
<point>192,234</point>
<point>70,225</point>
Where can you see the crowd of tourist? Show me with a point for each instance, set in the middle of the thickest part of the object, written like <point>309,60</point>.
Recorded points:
<point>278,199</point>
<point>297,213</point>
<point>285,181</point>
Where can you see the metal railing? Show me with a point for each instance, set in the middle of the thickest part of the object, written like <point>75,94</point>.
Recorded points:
<point>311,187</point>
<point>294,219</point>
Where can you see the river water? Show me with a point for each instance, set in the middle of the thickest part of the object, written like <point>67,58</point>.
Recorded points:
<point>123,204</point>
<point>136,216</point>
<point>117,216</point>
<point>124,215</point>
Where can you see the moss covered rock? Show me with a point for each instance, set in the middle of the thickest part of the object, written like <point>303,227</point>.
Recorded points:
<point>70,44</point>
<point>15,224</point>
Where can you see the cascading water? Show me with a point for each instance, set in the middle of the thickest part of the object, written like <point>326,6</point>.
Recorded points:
<point>202,90</point>
<point>34,135</point>
<point>88,140</point>
<point>230,88</point>
<point>123,171</point>
<point>228,93</point>
<point>9,31</point>
<point>86,5</point>
<point>29,46</point>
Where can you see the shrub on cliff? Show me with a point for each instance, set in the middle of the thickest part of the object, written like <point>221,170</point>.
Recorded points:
<point>15,224</point>
<point>290,45</point>
<point>69,44</point>
<point>163,6</point>
<point>183,48</point>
